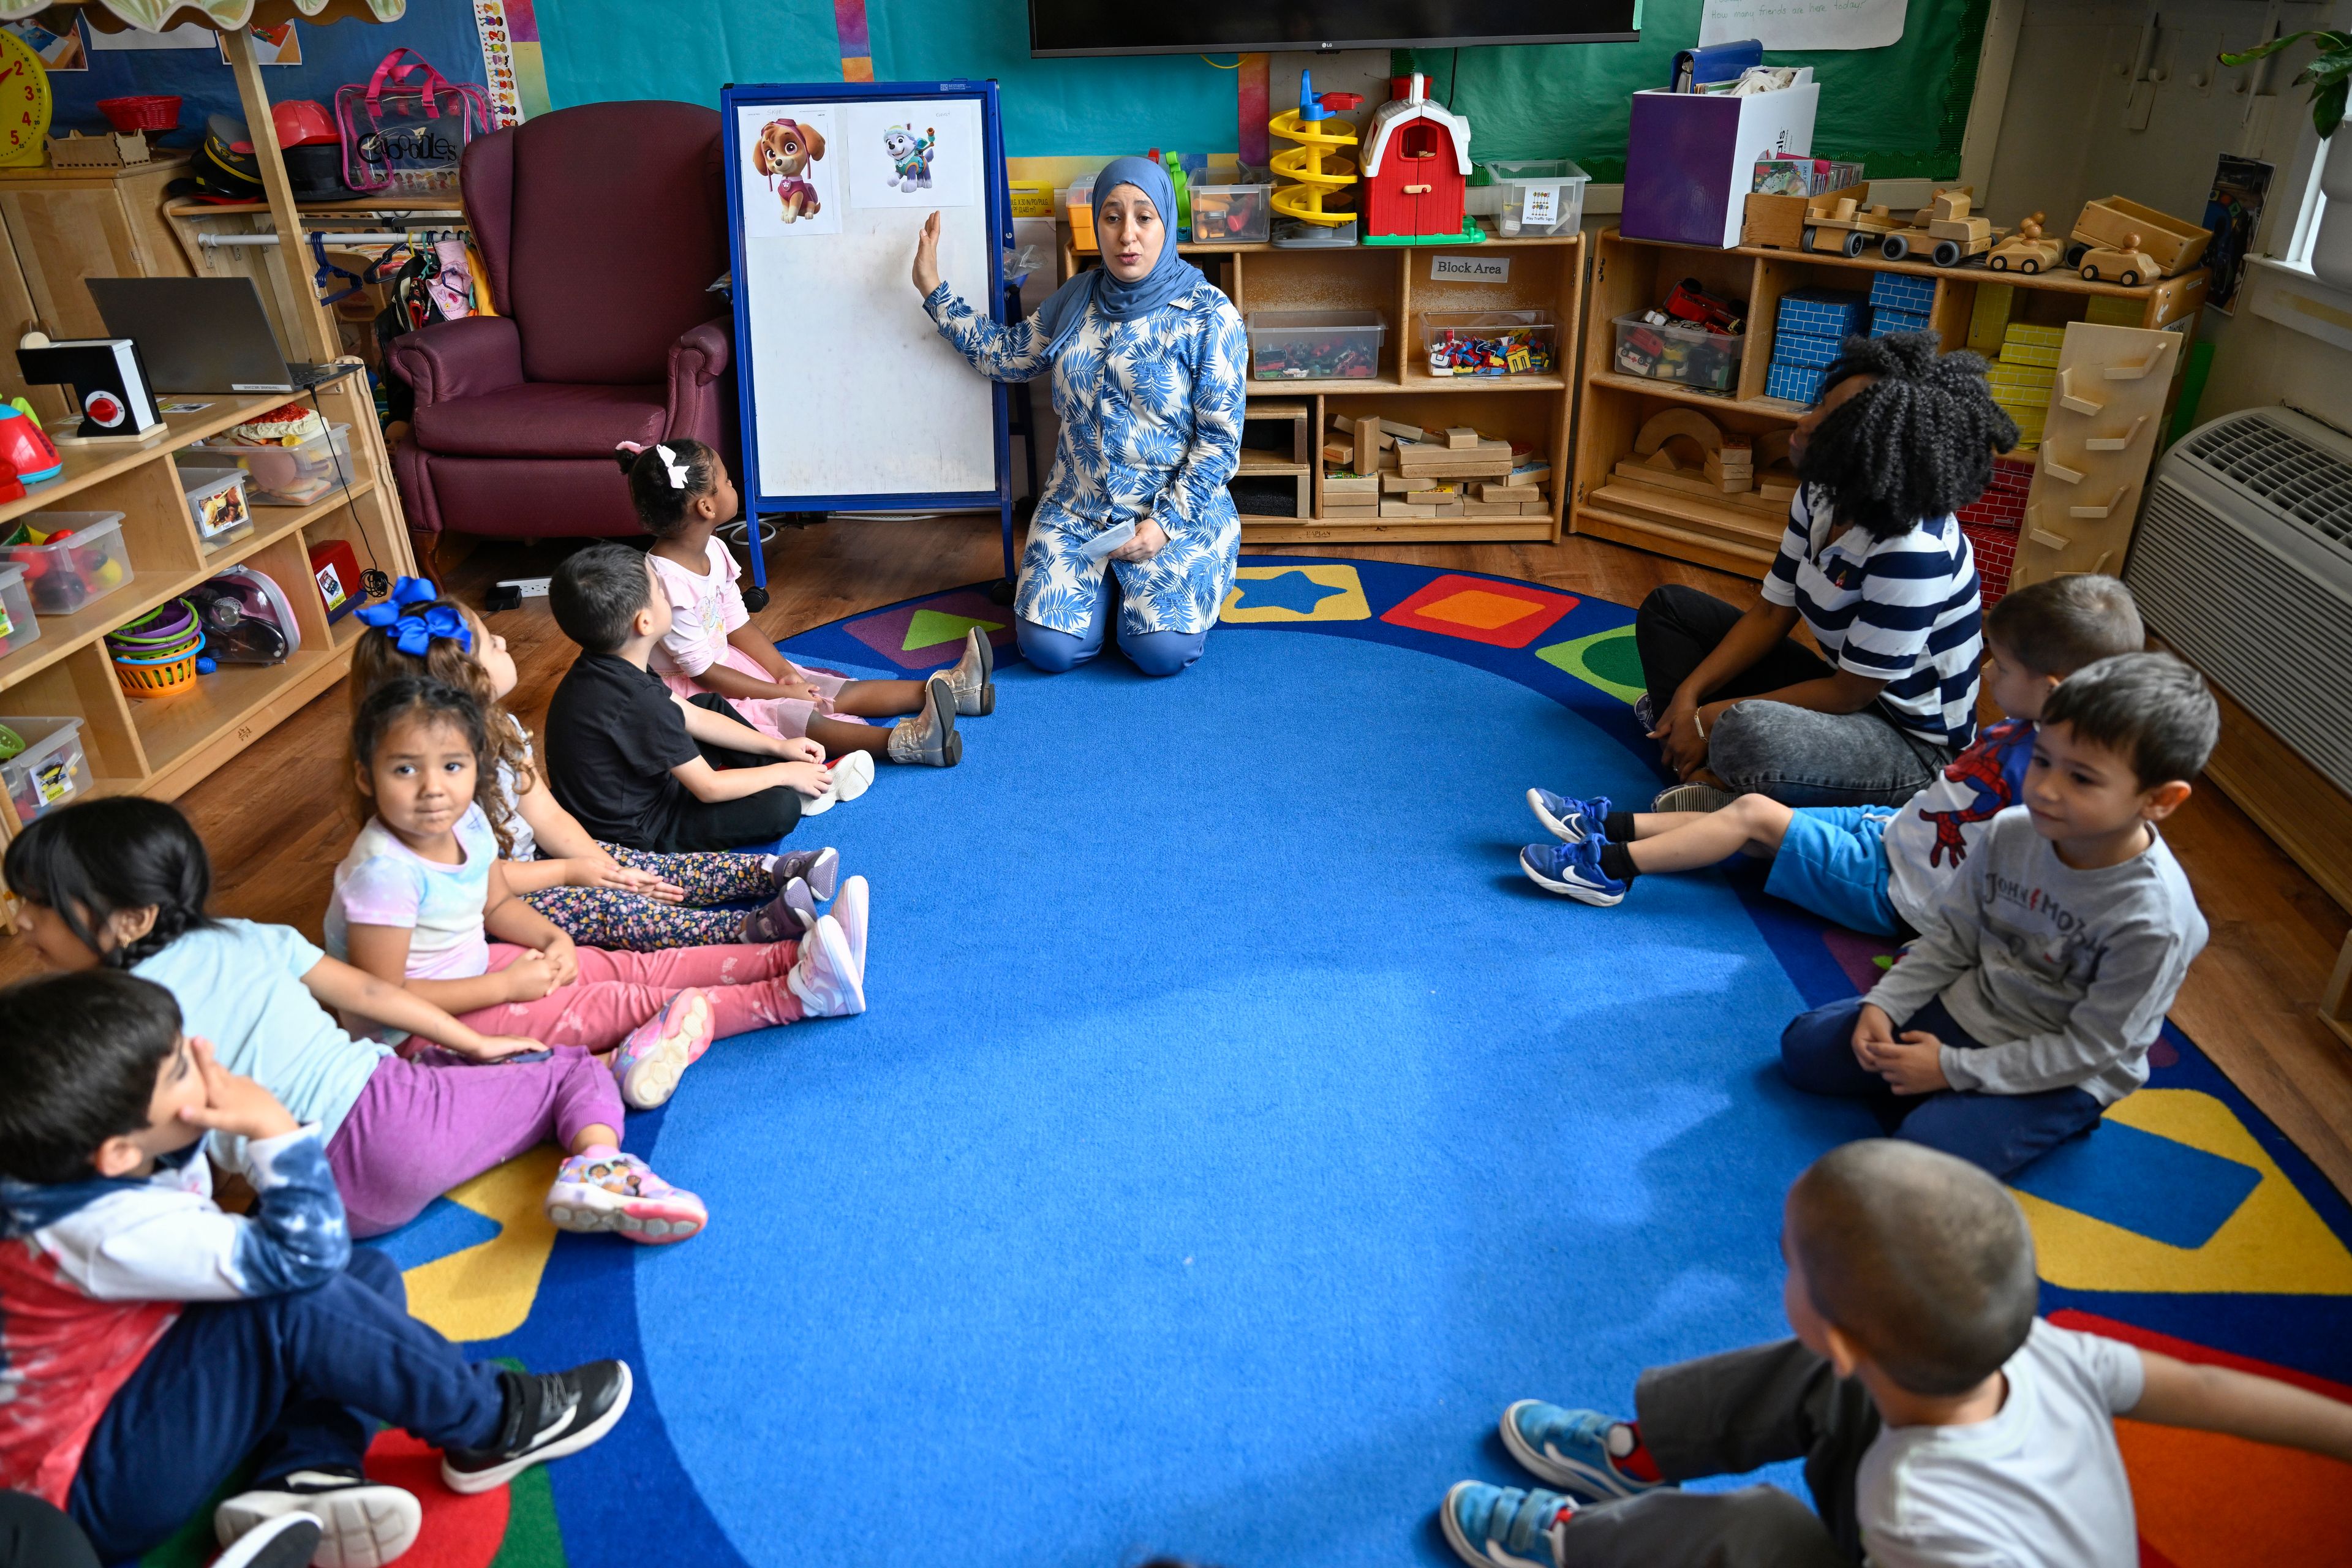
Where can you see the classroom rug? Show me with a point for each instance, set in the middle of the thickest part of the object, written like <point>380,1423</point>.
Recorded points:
<point>1234,1132</point>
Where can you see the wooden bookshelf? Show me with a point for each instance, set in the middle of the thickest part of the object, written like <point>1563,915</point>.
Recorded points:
<point>1394,281</point>
<point>1632,275</point>
<point>160,746</point>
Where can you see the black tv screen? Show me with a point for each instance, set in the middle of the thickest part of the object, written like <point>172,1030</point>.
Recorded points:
<point>1219,27</point>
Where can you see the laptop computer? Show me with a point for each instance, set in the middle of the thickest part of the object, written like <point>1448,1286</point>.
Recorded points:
<point>203,334</point>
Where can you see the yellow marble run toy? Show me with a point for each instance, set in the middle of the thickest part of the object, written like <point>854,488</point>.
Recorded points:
<point>1320,201</point>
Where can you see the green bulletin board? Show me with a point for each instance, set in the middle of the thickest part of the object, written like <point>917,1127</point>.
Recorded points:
<point>1902,109</point>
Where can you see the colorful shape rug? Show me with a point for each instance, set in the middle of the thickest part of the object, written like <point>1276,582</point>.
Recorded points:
<point>1235,1131</point>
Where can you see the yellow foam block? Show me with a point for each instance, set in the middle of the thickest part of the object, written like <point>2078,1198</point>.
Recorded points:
<point>2028,354</point>
<point>2040,376</point>
<point>2026,332</point>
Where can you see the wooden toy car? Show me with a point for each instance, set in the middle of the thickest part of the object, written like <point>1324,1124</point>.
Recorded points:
<point>2026,251</point>
<point>1945,230</point>
<point>2125,264</point>
<point>1843,226</point>
<point>2173,244</point>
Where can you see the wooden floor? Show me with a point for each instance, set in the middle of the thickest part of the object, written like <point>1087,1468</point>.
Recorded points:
<point>279,817</point>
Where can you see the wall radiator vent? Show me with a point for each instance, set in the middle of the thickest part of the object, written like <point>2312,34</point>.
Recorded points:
<point>2243,563</point>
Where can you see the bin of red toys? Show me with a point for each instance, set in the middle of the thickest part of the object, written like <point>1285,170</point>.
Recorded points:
<point>142,112</point>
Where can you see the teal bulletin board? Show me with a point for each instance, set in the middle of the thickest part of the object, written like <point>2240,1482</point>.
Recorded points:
<point>688,49</point>
<point>1902,109</point>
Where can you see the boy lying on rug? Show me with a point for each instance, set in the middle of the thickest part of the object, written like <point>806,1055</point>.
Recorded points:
<point>1940,1422</point>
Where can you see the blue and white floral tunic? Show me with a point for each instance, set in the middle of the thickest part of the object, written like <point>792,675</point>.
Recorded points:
<point>1152,426</point>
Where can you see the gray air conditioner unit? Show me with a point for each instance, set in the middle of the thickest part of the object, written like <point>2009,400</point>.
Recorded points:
<point>2242,563</point>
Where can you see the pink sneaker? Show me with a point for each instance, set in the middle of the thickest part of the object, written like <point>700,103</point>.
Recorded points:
<point>649,1062</point>
<point>607,1190</point>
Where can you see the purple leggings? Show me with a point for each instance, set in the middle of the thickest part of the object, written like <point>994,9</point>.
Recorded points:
<point>422,1125</point>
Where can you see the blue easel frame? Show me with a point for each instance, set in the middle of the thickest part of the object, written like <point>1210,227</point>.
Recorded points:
<point>999,204</point>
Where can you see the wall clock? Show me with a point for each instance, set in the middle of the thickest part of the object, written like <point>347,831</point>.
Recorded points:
<point>24,104</point>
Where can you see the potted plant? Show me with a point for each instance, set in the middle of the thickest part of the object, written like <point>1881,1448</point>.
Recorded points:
<point>2329,76</point>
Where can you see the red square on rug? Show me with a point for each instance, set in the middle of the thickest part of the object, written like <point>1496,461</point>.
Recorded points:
<point>1480,609</point>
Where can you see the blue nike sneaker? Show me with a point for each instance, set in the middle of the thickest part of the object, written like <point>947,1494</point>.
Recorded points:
<point>1572,868</point>
<point>1568,1448</point>
<point>1569,821</point>
<point>1503,1527</point>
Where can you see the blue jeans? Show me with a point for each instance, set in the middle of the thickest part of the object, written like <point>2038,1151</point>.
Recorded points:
<point>1154,653</point>
<point>289,1379</point>
<point>2000,1132</point>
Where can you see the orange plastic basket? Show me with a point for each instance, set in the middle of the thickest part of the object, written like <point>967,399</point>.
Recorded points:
<point>172,672</point>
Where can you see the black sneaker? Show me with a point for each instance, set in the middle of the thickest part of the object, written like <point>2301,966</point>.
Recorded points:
<point>363,1524</point>
<point>286,1542</point>
<point>549,1414</point>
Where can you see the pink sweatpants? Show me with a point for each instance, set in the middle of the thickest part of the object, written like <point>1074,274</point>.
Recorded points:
<point>782,717</point>
<point>618,991</point>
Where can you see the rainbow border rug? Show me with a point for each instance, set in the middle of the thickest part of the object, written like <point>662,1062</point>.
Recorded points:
<point>797,1403</point>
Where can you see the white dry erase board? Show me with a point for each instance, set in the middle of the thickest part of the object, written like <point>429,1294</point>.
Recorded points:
<point>851,400</point>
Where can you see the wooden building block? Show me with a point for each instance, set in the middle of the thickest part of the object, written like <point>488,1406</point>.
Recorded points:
<point>1400,484</point>
<point>1406,509</point>
<point>1461,437</point>
<point>1368,446</point>
<point>1340,452</point>
<point>1403,431</point>
<point>1368,485</point>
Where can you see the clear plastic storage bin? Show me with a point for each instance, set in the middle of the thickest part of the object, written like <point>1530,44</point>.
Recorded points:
<point>17,625</point>
<point>1315,345</point>
<point>1537,199</point>
<point>290,475</point>
<point>67,573</point>
<point>1079,199</point>
<point>1297,234</point>
<point>215,491</point>
<point>1490,343</point>
<point>1692,355</point>
<point>51,770</point>
<point>1232,215</point>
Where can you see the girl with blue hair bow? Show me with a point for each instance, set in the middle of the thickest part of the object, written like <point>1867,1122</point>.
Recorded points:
<point>1147,358</point>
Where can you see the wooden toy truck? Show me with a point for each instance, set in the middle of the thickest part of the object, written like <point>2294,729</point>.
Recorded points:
<point>2173,244</point>
<point>2028,250</point>
<point>1945,231</point>
<point>1841,226</point>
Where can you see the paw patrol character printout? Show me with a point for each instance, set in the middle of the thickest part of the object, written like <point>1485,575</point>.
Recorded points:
<point>794,158</point>
<point>904,156</point>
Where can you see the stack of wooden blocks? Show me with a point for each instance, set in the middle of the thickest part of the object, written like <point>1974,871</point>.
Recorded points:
<point>1384,469</point>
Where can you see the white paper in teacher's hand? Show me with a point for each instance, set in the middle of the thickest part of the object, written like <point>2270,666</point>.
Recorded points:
<point>1108,539</point>
<point>1803,24</point>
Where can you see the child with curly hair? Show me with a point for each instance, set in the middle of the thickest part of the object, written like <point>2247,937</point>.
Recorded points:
<point>606,895</point>
<point>1874,564</point>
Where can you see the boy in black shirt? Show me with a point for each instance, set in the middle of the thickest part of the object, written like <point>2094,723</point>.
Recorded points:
<point>642,767</point>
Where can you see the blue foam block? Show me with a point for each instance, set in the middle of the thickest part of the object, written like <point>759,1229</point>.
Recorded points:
<point>1797,383</point>
<point>1902,292</point>
<point>1823,312</point>
<point>1885,321</point>
<point>1806,350</point>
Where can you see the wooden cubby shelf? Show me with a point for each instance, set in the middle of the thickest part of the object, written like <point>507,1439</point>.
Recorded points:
<point>1632,275</point>
<point>159,746</point>
<point>1395,282</point>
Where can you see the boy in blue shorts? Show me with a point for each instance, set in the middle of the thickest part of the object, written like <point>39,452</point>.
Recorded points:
<point>1871,868</point>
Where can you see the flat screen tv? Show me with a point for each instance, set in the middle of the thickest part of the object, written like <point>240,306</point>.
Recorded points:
<point>1217,26</point>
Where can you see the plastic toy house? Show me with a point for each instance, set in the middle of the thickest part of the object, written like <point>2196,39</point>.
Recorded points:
<point>1417,168</point>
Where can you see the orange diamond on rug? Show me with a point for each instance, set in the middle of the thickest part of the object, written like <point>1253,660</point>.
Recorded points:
<point>1482,610</point>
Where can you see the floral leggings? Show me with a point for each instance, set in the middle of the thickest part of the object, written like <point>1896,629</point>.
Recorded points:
<point>631,922</point>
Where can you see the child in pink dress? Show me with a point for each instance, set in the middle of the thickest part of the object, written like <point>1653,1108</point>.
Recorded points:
<point>683,493</point>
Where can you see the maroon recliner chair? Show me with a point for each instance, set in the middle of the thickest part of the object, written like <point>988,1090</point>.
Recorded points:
<point>602,228</point>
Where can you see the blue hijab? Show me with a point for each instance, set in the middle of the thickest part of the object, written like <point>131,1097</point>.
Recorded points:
<point>1169,277</point>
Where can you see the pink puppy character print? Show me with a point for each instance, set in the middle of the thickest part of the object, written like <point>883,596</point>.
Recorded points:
<point>783,153</point>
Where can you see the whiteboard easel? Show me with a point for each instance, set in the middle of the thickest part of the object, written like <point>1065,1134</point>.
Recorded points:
<point>850,399</point>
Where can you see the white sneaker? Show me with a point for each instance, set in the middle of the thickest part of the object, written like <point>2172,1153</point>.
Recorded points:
<point>363,1524</point>
<point>850,910</point>
<point>853,774</point>
<point>826,978</point>
<point>289,1540</point>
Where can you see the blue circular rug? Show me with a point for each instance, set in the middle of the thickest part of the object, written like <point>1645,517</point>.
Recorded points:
<point>1234,1132</point>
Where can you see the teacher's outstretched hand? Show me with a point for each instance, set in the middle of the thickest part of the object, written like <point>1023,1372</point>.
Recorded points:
<point>926,256</point>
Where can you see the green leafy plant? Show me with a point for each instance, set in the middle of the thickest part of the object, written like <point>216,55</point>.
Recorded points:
<point>2329,74</point>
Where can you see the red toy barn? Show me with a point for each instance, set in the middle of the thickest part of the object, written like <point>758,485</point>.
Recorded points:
<point>1416,167</point>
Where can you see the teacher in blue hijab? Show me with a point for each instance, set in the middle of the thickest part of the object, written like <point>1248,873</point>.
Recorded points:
<point>1147,357</point>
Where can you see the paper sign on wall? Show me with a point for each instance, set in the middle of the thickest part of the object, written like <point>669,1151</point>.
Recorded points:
<point>1470,268</point>
<point>1803,24</point>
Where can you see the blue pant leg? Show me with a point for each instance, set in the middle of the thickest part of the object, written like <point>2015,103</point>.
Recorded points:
<point>228,1372</point>
<point>1817,1053</point>
<point>2000,1133</point>
<point>1162,653</point>
<point>315,1434</point>
<point>1056,652</point>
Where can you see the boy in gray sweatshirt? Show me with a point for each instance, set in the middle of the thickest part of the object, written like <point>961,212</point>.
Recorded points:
<point>2028,1005</point>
